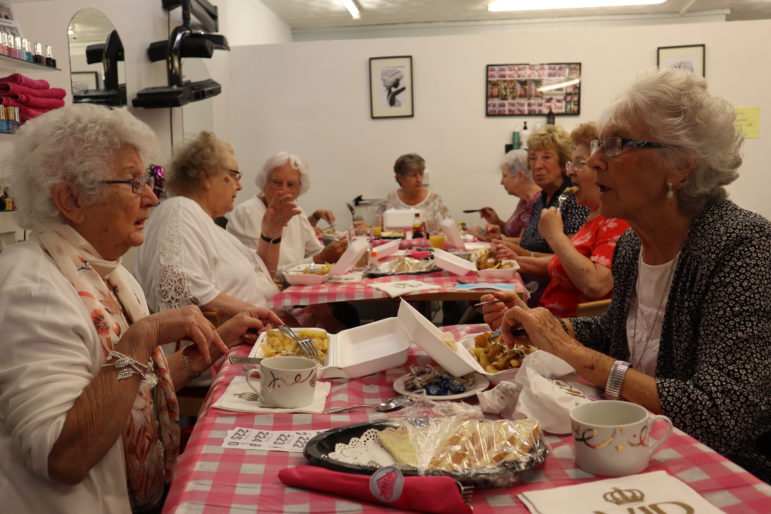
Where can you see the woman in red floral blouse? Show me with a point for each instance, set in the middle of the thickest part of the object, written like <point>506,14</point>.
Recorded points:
<point>579,270</point>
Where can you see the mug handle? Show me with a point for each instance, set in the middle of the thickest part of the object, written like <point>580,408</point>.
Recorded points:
<point>653,420</point>
<point>249,376</point>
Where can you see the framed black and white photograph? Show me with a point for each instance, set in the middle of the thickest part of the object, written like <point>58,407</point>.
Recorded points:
<point>533,89</point>
<point>390,87</point>
<point>83,81</point>
<point>686,57</point>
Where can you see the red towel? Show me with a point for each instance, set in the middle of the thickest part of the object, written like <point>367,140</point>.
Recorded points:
<point>9,88</point>
<point>37,102</point>
<point>18,78</point>
<point>436,494</point>
<point>25,113</point>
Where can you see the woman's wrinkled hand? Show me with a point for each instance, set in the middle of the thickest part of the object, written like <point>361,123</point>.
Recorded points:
<point>543,330</point>
<point>280,210</point>
<point>493,312</point>
<point>245,326</point>
<point>493,231</point>
<point>332,252</point>
<point>490,216</point>
<point>503,250</point>
<point>550,223</point>
<point>322,214</point>
<point>184,323</point>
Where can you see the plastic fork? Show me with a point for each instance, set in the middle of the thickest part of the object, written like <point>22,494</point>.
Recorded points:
<point>307,345</point>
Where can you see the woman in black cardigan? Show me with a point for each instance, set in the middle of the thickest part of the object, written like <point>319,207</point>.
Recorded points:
<point>688,331</point>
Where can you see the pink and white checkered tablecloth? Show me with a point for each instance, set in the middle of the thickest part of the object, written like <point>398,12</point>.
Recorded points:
<point>351,291</point>
<point>212,479</point>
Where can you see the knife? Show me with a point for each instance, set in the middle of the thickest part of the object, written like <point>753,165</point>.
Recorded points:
<point>242,361</point>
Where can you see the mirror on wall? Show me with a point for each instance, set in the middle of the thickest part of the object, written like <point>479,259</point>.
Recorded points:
<point>97,69</point>
<point>196,116</point>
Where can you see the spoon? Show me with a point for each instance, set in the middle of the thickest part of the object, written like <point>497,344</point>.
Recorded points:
<point>388,405</point>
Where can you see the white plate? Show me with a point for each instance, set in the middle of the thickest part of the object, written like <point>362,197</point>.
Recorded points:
<point>480,384</point>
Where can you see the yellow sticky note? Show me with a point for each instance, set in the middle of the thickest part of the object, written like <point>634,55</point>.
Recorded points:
<point>748,121</point>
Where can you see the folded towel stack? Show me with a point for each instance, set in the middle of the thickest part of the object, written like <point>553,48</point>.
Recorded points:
<point>28,96</point>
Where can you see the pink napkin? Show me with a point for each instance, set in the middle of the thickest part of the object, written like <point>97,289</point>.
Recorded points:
<point>436,494</point>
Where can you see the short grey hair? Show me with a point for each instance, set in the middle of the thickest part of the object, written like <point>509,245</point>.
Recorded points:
<point>278,160</point>
<point>675,106</point>
<point>516,161</point>
<point>75,144</point>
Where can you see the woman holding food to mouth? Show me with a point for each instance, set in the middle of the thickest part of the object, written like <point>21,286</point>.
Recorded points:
<point>284,173</point>
<point>579,270</point>
<point>687,331</point>
<point>189,260</point>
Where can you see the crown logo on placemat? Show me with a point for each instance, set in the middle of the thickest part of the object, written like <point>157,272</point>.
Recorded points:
<point>623,496</point>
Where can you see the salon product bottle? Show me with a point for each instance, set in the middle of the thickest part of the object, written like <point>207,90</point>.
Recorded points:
<point>524,134</point>
<point>17,47</point>
<point>38,57</point>
<point>50,61</point>
<point>550,117</point>
<point>4,120</point>
<point>3,43</point>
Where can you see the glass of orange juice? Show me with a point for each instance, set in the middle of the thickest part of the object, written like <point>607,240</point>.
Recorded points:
<point>436,240</point>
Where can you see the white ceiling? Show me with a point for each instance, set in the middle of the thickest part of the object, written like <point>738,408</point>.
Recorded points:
<point>314,14</point>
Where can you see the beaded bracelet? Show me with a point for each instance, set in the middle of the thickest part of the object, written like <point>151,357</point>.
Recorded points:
<point>564,325</point>
<point>188,365</point>
<point>127,366</point>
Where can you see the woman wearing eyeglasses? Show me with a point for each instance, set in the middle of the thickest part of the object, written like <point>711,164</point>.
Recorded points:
<point>189,260</point>
<point>688,330</point>
<point>579,270</point>
<point>90,420</point>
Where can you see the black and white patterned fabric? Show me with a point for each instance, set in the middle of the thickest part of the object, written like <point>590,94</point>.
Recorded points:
<point>573,218</point>
<point>713,372</point>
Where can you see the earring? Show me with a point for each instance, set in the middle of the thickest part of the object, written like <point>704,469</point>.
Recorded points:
<point>670,192</point>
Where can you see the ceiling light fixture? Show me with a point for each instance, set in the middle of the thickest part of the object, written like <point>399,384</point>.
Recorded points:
<point>352,9</point>
<point>543,5</point>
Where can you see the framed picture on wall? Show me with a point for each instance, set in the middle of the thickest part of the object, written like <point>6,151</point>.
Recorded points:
<point>533,89</point>
<point>390,87</point>
<point>686,57</point>
<point>83,81</point>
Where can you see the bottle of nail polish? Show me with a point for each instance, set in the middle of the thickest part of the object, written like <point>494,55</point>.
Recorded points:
<point>50,61</point>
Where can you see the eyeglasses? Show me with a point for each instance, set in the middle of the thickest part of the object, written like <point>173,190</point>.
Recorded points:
<point>237,174</point>
<point>575,166</point>
<point>137,183</point>
<point>612,146</point>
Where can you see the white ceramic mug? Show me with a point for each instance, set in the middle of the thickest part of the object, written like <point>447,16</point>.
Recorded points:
<point>613,437</point>
<point>285,381</point>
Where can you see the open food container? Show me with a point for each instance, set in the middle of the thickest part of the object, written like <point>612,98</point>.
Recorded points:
<point>356,249</point>
<point>507,271</point>
<point>453,263</point>
<point>399,218</point>
<point>456,359</point>
<point>307,274</point>
<point>357,351</point>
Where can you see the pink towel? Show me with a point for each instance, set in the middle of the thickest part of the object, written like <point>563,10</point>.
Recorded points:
<point>7,88</point>
<point>37,102</point>
<point>18,78</point>
<point>25,113</point>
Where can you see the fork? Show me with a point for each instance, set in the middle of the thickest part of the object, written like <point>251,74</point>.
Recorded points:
<point>466,491</point>
<point>562,199</point>
<point>306,345</point>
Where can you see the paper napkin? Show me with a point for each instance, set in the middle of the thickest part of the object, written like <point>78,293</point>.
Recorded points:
<point>394,289</point>
<point>647,492</point>
<point>233,402</point>
<point>546,388</point>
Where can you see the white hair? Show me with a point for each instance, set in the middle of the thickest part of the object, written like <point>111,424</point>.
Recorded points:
<point>75,144</point>
<point>516,161</point>
<point>278,160</point>
<point>675,106</point>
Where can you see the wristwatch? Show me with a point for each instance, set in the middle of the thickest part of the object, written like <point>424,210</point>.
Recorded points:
<point>615,380</point>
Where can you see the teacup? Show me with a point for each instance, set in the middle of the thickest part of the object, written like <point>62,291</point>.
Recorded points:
<point>613,437</point>
<point>285,381</point>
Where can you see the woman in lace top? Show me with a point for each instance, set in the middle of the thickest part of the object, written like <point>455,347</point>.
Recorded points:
<point>188,259</point>
<point>409,169</point>
<point>687,331</point>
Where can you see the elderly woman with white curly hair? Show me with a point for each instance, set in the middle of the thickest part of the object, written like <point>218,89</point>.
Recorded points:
<point>90,420</point>
<point>688,330</point>
<point>284,173</point>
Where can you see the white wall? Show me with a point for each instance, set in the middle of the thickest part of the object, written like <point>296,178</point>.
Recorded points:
<point>312,99</point>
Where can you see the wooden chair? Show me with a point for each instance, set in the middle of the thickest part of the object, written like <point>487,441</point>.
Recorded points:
<point>594,308</point>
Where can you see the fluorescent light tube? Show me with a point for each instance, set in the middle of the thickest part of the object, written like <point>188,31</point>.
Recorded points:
<point>352,9</point>
<point>543,5</point>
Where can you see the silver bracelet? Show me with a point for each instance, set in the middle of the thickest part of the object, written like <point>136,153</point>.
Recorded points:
<point>127,366</point>
<point>615,380</point>
<point>188,365</point>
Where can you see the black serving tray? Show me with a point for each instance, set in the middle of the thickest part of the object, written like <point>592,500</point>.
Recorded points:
<point>504,475</point>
